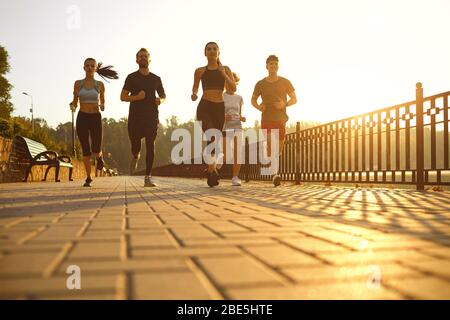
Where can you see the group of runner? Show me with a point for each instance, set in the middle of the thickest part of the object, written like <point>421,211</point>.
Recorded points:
<point>220,108</point>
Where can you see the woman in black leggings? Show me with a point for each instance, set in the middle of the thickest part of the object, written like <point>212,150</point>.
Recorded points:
<point>91,94</point>
<point>211,109</point>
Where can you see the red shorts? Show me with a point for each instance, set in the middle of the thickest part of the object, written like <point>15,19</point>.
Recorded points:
<point>270,125</point>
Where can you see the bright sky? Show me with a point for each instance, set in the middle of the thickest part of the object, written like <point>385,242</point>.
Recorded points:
<point>343,57</point>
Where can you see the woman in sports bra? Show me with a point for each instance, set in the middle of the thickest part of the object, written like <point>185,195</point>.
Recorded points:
<point>91,94</point>
<point>211,109</point>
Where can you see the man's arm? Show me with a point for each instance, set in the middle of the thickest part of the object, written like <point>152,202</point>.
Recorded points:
<point>125,96</point>
<point>261,107</point>
<point>161,94</point>
<point>292,99</point>
<point>256,93</point>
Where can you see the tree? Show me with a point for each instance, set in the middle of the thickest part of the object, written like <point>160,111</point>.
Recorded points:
<point>6,107</point>
<point>117,143</point>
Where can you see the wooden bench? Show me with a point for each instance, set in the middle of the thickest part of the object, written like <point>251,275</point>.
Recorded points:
<point>37,154</point>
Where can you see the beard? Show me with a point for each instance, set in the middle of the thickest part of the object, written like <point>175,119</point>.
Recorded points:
<point>143,64</point>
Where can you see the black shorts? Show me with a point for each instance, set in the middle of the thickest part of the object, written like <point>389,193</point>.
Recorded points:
<point>142,126</point>
<point>212,114</point>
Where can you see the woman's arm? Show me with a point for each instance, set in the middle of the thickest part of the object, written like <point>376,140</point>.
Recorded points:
<point>197,76</point>
<point>74,102</point>
<point>102,96</point>
<point>226,71</point>
<point>243,119</point>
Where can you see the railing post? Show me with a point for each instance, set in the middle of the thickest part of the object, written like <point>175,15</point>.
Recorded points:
<point>247,157</point>
<point>419,138</point>
<point>74,154</point>
<point>297,153</point>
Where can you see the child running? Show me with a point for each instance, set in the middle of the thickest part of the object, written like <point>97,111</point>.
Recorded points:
<point>233,127</point>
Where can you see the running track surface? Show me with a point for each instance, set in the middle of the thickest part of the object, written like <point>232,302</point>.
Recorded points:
<point>184,240</point>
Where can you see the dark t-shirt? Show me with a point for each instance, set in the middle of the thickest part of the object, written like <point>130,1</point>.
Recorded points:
<point>151,84</point>
<point>270,93</point>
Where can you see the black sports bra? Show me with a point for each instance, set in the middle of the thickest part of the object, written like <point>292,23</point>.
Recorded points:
<point>213,80</point>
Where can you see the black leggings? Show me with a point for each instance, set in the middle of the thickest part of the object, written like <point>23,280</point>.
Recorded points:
<point>143,127</point>
<point>89,124</point>
<point>212,116</point>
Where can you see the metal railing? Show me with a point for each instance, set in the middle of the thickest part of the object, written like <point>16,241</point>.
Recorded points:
<point>403,144</point>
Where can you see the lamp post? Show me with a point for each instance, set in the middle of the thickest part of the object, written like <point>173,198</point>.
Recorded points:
<point>31,110</point>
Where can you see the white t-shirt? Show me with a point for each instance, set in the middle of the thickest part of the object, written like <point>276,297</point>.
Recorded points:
<point>233,104</point>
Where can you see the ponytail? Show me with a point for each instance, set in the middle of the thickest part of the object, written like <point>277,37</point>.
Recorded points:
<point>106,72</point>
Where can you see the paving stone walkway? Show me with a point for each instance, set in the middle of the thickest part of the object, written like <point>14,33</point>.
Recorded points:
<point>184,240</point>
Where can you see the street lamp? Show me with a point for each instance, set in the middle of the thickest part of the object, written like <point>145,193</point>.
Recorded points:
<point>31,110</point>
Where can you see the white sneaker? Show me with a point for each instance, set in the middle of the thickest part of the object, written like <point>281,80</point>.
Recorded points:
<point>276,180</point>
<point>148,182</point>
<point>133,164</point>
<point>235,181</point>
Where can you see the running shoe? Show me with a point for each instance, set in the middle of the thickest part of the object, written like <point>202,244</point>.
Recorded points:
<point>235,181</point>
<point>213,179</point>
<point>88,182</point>
<point>276,180</point>
<point>100,163</point>
<point>148,182</point>
<point>133,165</point>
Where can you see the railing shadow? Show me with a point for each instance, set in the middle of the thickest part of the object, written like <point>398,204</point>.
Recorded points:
<point>421,215</point>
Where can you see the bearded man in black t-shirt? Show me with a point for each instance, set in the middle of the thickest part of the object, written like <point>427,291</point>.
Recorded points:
<point>140,90</point>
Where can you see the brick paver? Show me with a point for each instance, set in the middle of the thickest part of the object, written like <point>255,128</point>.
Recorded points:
<point>184,240</point>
